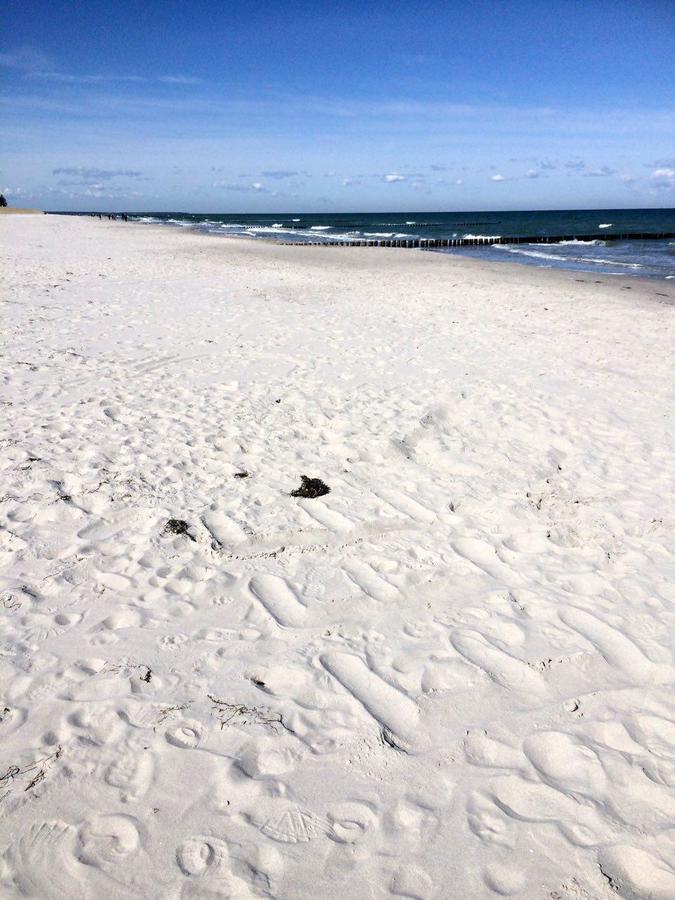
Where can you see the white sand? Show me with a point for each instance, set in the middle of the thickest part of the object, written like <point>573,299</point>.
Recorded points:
<point>450,677</point>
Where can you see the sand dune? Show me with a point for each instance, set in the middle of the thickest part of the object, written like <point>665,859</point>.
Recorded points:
<point>450,676</point>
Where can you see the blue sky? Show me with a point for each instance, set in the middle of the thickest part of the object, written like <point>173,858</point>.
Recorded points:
<point>317,106</point>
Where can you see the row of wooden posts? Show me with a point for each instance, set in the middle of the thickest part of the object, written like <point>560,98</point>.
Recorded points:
<point>433,243</point>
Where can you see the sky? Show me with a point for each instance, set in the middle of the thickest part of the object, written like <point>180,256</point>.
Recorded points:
<point>211,106</point>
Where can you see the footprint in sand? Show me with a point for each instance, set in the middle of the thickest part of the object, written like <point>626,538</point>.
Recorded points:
<point>41,862</point>
<point>200,856</point>
<point>396,713</point>
<point>350,822</point>
<point>370,582</point>
<point>566,765</point>
<point>617,649</point>
<point>508,671</point>
<point>636,874</point>
<point>131,772</point>
<point>411,882</point>
<point>225,532</point>
<point>108,841</point>
<point>187,734</point>
<point>526,802</point>
<point>279,600</point>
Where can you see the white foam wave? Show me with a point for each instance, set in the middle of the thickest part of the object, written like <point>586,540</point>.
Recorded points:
<point>606,225</point>
<point>480,237</point>
<point>596,243</point>
<point>268,229</point>
<point>539,254</point>
<point>386,234</point>
<point>320,227</point>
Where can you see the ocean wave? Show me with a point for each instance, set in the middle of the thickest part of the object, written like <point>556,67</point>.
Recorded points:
<point>387,234</point>
<point>596,243</point>
<point>480,237</point>
<point>606,225</point>
<point>268,229</point>
<point>320,227</point>
<point>539,254</point>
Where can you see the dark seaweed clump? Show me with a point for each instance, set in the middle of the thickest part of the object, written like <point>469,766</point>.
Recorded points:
<point>311,488</point>
<point>177,526</point>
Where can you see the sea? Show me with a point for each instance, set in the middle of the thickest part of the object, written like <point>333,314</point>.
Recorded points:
<point>644,258</point>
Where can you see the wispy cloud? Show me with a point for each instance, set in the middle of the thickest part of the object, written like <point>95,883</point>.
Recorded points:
<point>69,78</point>
<point>91,191</point>
<point>280,173</point>
<point>25,59</point>
<point>394,178</point>
<point>600,172</point>
<point>96,174</point>
<point>668,163</point>
<point>497,178</point>
<point>256,187</point>
<point>40,74</point>
<point>179,79</point>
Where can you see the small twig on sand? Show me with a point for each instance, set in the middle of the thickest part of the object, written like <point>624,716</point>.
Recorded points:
<point>227,712</point>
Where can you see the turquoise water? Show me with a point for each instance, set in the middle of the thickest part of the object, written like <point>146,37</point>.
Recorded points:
<point>641,258</point>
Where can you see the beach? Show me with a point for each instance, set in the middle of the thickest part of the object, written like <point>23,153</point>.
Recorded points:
<point>449,675</point>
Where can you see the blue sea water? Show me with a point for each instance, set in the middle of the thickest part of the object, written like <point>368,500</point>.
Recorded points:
<point>652,258</point>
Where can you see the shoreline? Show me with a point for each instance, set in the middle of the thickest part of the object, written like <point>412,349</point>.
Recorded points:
<point>457,251</point>
<point>624,281</point>
<point>454,666</point>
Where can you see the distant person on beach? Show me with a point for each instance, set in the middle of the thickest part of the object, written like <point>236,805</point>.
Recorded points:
<point>3,202</point>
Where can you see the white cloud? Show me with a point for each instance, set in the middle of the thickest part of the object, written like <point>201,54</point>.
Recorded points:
<point>459,181</point>
<point>663,178</point>
<point>241,188</point>
<point>497,178</point>
<point>392,179</point>
<point>532,173</point>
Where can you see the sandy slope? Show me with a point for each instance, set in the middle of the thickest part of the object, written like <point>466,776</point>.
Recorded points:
<point>450,677</point>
